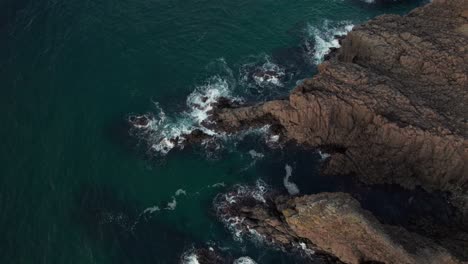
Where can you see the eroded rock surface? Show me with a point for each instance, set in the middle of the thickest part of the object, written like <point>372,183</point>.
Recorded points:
<point>391,103</point>
<point>336,224</point>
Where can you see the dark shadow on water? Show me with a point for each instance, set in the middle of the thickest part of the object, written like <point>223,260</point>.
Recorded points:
<point>429,214</point>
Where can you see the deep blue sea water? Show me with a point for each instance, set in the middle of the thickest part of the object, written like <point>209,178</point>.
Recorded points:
<point>75,187</point>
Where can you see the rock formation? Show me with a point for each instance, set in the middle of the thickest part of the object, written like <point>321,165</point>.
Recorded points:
<point>391,105</point>
<point>335,223</point>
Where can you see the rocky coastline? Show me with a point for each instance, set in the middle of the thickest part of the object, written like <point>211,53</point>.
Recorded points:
<point>391,107</point>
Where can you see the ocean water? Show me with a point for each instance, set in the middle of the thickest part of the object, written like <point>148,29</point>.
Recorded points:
<point>77,185</point>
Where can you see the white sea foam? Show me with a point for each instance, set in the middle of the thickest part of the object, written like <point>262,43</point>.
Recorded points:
<point>306,250</point>
<point>151,209</point>
<point>202,100</point>
<point>180,192</point>
<point>172,204</point>
<point>290,186</point>
<point>244,260</point>
<point>274,138</point>
<point>218,184</point>
<point>191,258</point>
<point>269,74</point>
<point>323,155</point>
<point>325,37</point>
<point>164,133</point>
<point>255,155</point>
<point>261,75</point>
<point>224,203</point>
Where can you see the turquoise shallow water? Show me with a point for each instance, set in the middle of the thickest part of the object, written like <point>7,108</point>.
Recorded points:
<point>72,71</point>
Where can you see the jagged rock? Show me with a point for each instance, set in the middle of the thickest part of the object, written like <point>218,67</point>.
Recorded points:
<point>390,106</point>
<point>392,102</point>
<point>336,223</point>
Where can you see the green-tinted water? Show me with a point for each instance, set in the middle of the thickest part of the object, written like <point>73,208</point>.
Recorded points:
<point>72,71</point>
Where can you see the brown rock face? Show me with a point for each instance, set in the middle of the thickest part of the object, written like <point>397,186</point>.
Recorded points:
<point>392,102</point>
<point>336,223</point>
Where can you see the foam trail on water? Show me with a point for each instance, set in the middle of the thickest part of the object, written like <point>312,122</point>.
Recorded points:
<point>219,184</point>
<point>151,210</point>
<point>290,186</point>
<point>325,37</point>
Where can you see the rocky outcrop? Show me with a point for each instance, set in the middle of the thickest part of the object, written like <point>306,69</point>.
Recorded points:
<point>336,224</point>
<point>391,105</point>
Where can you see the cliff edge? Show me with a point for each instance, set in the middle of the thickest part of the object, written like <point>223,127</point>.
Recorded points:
<point>390,106</point>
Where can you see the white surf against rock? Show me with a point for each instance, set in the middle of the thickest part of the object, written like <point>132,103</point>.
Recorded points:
<point>325,37</point>
<point>165,132</point>
<point>223,203</point>
<point>262,74</point>
<point>191,258</point>
<point>290,186</point>
<point>244,260</point>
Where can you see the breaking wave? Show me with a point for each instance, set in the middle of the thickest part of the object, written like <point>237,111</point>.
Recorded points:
<point>164,133</point>
<point>326,37</point>
<point>224,204</point>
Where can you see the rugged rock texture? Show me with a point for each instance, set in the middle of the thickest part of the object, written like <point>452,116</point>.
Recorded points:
<point>335,223</point>
<point>391,104</point>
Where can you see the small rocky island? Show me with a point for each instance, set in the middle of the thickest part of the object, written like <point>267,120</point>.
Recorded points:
<point>390,107</point>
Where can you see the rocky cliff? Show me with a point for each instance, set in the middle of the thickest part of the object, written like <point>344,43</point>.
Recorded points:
<point>334,223</point>
<point>391,105</point>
